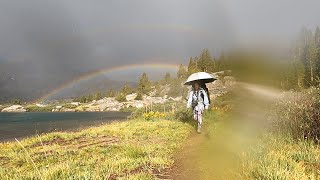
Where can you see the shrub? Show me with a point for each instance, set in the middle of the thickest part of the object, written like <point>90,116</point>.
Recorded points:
<point>35,108</point>
<point>144,84</point>
<point>225,102</point>
<point>98,96</point>
<point>183,114</point>
<point>128,109</point>
<point>154,115</point>
<point>298,114</point>
<point>135,114</point>
<point>84,99</point>
<point>69,106</point>
<point>16,101</point>
<point>138,97</point>
<point>121,97</point>
<point>111,93</point>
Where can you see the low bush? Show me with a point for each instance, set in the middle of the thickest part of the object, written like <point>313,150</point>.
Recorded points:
<point>135,112</point>
<point>138,97</point>
<point>121,97</point>
<point>183,114</point>
<point>298,114</point>
<point>150,116</point>
<point>70,106</point>
<point>35,108</point>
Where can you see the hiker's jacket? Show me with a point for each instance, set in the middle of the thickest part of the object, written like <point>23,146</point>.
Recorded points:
<point>198,96</point>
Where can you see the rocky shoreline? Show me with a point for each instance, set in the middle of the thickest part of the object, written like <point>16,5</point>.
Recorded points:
<point>217,88</point>
<point>104,104</point>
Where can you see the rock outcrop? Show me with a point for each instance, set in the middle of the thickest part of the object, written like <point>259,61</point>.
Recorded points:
<point>110,104</point>
<point>14,108</point>
<point>221,86</point>
<point>131,97</point>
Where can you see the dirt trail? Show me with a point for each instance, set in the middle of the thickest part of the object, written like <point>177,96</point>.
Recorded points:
<point>186,161</point>
<point>206,155</point>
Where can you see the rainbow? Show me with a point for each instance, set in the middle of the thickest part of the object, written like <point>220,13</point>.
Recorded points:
<point>105,71</point>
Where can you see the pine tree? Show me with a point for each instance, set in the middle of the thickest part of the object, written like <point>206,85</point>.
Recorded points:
<point>206,62</point>
<point>126,89</point>
<point>16,101</point>
<point>221,63</point>
<point>182,72</point>
<point>305,53</point>
<point>317,36</point>
<point>111,93</point>
<point>312,58</point>
<point>144,84</point>
<point>98,96</point>
<point>167,78</point>
<point>192,66</point>
<point>299,73</point>
<point>317,46</point>
<point>196,64</point>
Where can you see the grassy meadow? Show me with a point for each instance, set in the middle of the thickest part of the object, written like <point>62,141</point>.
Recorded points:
<point>136,149</point>
<point>237,147</point>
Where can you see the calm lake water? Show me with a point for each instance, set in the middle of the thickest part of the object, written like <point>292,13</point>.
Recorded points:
<point>19,125</point>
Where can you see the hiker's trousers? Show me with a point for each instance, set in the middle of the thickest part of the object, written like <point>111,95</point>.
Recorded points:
<point>197,114</point>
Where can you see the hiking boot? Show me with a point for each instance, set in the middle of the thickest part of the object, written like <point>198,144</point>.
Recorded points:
<point>199,129</point>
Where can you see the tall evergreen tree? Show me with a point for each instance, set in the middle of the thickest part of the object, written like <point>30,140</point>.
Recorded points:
<point>98,96</point>
<point>221,63</point>
<point>197,64</point>
<point>206,62</point>
<point>144,85</point>
<point>312,58</point>
<point>167,78</point>
<point>126,89</point>
<point>192,67</point>
<point>317,36</point>
<point>305,53</point>
<point>317,46</point>
<point>182,72</point>
<point>111,93</point>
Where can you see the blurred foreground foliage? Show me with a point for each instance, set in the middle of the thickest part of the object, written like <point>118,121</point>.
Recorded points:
<point>298,114</point>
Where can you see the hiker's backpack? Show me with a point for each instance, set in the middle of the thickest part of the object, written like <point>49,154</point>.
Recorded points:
<point>194,102</point>
<point>204,87</point>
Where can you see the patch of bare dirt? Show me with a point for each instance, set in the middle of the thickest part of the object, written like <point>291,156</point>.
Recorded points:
<point>79,142</point>
<point>157,173</point>
<point>4,160</point>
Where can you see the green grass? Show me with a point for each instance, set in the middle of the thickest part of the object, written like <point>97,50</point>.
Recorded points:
<point>135,149</point>
<point>138,149</point>
<point>35,108</point>
<point>232,154</point>
<point>277,157</point>
<point>238,149</point>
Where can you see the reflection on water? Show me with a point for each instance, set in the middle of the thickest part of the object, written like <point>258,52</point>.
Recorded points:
<point>18,125</point>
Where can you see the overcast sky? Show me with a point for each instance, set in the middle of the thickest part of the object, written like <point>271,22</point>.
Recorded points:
<point>65,38</point>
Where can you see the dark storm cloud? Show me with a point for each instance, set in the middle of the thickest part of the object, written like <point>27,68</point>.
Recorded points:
<point>46,43</point>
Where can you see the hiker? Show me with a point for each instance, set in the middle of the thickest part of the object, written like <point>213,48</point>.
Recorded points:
<point>198,100</point>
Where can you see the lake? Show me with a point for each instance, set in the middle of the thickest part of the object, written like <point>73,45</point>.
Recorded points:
<point>19,125</point>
